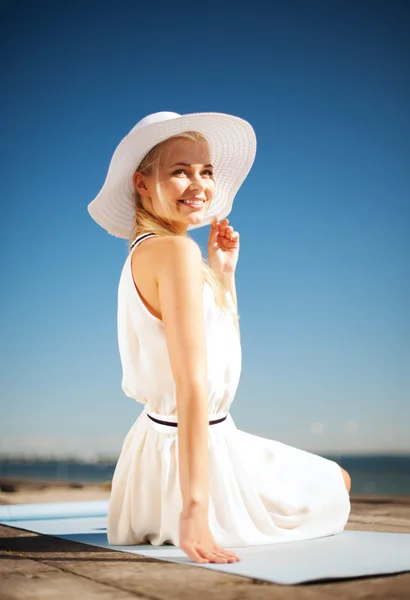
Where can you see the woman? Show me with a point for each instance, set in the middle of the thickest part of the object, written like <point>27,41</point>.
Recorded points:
<point>186,475</point>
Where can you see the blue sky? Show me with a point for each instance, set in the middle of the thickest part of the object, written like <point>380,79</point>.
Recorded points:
<point>323,275</point>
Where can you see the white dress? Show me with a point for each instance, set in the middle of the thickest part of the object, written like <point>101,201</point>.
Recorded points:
<point>261,491</point>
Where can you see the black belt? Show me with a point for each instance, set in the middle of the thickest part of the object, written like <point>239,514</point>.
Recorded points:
<point>176,424</point>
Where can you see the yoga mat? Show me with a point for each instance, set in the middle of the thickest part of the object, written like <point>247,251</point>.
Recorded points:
<point>53,510</point>
<point>344,555</point>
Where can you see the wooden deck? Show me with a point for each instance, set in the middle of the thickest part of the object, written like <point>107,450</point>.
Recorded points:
<point>41,567</point>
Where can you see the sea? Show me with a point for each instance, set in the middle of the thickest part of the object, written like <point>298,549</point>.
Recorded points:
<point>371,475</point>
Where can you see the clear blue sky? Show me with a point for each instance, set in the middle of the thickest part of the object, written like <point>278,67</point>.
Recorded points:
<point>324,217</point>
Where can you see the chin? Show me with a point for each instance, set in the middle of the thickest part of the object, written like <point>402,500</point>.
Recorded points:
<point>196,218</point>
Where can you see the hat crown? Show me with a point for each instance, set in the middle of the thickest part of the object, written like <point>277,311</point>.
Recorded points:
<point>155,118</point>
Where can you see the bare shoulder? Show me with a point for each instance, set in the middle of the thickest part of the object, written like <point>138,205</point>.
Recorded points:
<point>174,243</point>
<point>176,254</point>
<point>159,250</point>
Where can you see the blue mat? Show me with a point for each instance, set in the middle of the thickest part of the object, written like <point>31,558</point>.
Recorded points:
<point>345,555</point>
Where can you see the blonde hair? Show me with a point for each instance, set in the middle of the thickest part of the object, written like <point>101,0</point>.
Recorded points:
<point>146,222</point>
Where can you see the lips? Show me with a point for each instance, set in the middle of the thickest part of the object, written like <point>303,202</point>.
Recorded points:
<point>196,206</point>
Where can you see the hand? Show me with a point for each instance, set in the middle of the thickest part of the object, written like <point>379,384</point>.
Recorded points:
<point>223,248</point>
<point>195,539</point>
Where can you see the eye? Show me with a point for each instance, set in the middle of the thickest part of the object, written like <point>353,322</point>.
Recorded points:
<point>210,173</point>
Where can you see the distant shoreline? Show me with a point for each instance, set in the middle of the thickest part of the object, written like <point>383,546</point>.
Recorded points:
<point>111,460</point>
<point>22,490</point>
<point>34,483</point>
<point>371,476</point>
<point>19,490</point>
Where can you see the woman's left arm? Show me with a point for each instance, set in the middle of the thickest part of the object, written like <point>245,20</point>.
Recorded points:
<point>223,254</point>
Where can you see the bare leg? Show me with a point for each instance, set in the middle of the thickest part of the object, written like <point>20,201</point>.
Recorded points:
<point>348,481</point>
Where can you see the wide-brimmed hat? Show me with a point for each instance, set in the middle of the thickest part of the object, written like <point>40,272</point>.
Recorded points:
<point>232,143</point>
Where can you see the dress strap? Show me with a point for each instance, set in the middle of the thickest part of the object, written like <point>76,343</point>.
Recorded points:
<point>140,238</point>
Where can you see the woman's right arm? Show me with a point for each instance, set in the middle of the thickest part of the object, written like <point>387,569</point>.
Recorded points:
<point>180,285</point>
<point>180,288</point>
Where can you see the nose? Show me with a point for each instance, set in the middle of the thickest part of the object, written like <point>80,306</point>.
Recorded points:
<point>197,183</point>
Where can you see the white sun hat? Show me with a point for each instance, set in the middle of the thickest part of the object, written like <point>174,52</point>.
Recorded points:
<point>232,143</point>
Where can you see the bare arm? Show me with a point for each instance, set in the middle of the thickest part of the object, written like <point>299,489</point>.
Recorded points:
<point>180,288</point>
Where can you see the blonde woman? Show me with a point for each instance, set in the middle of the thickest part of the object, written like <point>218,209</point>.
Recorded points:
<point>186,475</point>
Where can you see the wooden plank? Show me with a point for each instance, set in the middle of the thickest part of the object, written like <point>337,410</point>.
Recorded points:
<point>26,579</point>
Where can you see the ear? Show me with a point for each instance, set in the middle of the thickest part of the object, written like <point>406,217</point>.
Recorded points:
<point>139,184</point>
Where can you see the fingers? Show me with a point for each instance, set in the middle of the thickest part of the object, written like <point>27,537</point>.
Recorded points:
<point>224,230</point>
<point>216,556</point>
<point>227,553</point>
<point>202,555</point>
<point>226,556</point>
<point>214,231</point>
<point>194,554</point>
<point>222,226</point>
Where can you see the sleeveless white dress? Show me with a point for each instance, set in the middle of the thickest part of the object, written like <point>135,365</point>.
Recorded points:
<point>261,491</point>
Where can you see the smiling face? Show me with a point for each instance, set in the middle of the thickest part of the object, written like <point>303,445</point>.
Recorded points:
<point>184,173</point>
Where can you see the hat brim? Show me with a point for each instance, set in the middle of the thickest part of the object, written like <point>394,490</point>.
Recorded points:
<point>232,143</point>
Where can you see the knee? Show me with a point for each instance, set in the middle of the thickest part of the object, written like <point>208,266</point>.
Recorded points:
<point>347,478</point>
